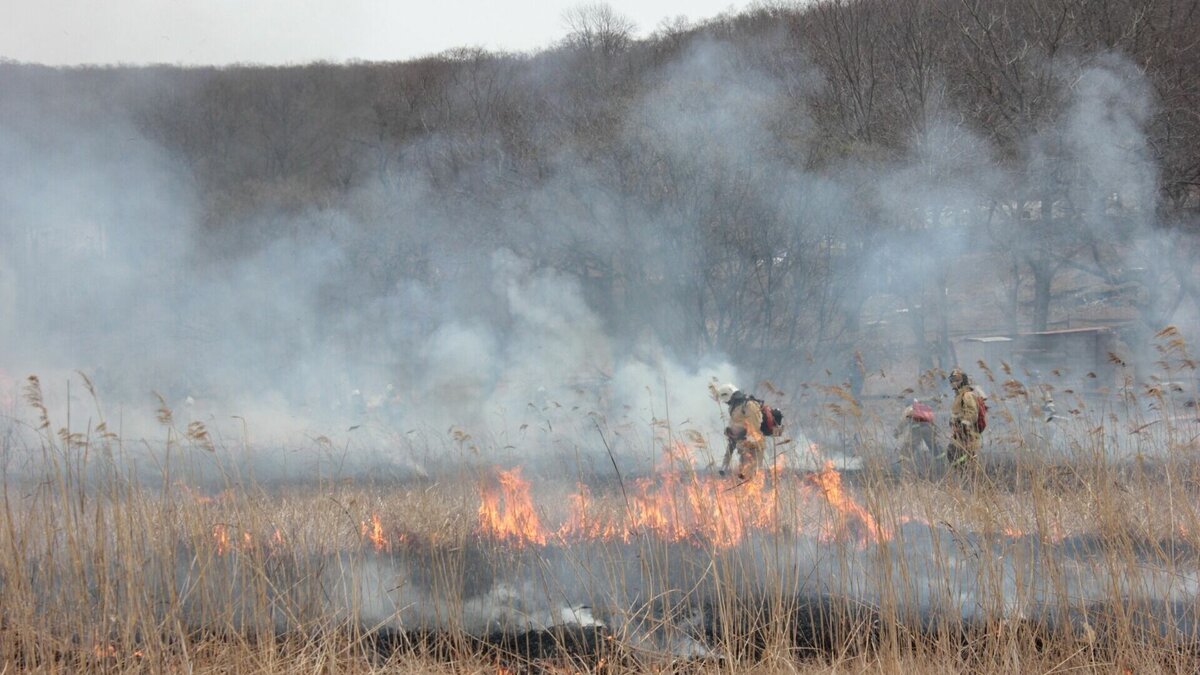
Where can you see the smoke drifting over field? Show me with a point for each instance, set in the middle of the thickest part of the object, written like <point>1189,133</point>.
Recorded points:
<point>455,289</point>
<point>109,243</point>
<point>518,275</point>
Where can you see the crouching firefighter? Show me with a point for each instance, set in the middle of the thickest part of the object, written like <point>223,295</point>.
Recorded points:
<point>751,421</point>
<point>917,422</point>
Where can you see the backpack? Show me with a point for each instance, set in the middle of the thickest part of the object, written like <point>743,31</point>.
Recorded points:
<point>921,412</point>
<point>981,404</point>
<point>772,418</point>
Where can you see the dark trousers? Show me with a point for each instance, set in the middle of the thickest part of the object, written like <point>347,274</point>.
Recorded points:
<point>922,447</point>
<point>922,433</point>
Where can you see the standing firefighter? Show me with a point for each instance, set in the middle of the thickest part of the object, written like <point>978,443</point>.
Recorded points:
<point>967,420</point>
<point>917,420</point>
<point>744,432</point>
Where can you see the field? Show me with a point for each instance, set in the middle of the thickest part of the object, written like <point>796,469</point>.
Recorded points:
<point>1076,554</point>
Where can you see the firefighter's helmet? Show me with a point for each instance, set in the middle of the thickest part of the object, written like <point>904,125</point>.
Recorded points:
<point>725,392</point>
<point>958,378</point>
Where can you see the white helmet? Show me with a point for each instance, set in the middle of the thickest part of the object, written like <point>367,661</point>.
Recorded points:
<point>726,392</point>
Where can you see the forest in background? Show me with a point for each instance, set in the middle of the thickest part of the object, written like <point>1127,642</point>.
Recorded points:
<point>771,185</point>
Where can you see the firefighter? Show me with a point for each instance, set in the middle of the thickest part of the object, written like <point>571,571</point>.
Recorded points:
<point>744,432</point>
<point>964,419</point>
<point>917,420</point>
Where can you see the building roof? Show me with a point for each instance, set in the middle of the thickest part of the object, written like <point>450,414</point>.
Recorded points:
<point>991,338</point>
<point>1069,331</point>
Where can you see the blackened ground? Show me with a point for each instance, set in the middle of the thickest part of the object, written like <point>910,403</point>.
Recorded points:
<point>557,642</point>
<point>822,627</point>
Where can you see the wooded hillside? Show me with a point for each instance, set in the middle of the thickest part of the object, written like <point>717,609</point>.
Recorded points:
<point>759,185</point>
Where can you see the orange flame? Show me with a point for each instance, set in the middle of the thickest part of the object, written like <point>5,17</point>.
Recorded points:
<point>109,651</point>
<point>220,535</point>
<point>674,505</point>
<point>584,522</point>
<point>224,542</point>
<point>507,514</point>
<point>852,516</point>
<point>702,509</point>
<point>373,532</point>
<point>203,499</point>
<point>104,651</point>
<point>777,467</point>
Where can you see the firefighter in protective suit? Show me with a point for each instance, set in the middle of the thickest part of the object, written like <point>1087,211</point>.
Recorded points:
<point>744,432</point>
<point>964,415</point>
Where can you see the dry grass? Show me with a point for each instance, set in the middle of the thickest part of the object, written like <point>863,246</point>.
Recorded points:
<point>1067,564</point>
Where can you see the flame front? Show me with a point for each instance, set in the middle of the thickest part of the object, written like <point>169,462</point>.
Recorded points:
<point>680,506</point>
<point>675,504</point>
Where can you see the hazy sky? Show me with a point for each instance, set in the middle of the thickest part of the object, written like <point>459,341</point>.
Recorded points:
<point>68,32</point>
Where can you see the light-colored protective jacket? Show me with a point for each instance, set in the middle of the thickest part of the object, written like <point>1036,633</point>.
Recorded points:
<point>964,412</point>
<point>745,423</point>
<point>748,416</point>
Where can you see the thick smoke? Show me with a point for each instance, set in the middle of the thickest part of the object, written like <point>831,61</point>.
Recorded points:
<point>111,277</point>
<point>113,272</point>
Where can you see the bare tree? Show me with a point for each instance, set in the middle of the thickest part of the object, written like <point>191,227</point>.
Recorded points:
<point>599,29</point>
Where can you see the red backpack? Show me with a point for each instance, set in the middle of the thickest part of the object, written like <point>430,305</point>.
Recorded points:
<point>981,404</point>
<point>921,412</point>
<point>772,418</point>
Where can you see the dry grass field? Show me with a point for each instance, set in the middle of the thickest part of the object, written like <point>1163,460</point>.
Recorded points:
<point>1079,555</point>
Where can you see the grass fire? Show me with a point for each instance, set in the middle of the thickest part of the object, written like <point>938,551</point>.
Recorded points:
<point>847,336</point>
<point>1029,562</point>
